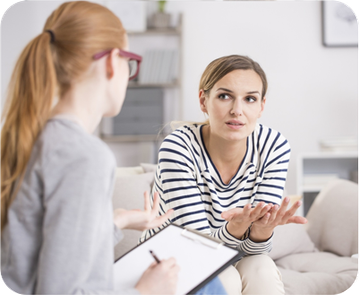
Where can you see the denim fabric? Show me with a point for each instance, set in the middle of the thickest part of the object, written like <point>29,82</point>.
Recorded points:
<point>214,287</point>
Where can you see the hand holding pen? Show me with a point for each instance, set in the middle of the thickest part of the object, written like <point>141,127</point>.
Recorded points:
<point>163,272</point>
<point>156,258</point>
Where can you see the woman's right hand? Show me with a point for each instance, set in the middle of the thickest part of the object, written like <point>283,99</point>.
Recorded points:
<point>159,279</point>
<point>142,220</point>
<point>241,218</point>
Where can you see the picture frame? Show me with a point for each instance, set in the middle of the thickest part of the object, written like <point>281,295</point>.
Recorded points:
<point>339,25</point>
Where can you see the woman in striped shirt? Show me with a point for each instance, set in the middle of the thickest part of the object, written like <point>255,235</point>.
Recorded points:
<point>226,177</point>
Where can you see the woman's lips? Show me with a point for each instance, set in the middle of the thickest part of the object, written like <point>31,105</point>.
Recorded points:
<point>235,124</point>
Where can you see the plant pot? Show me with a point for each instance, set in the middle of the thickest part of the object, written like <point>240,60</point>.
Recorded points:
<point>160,20</point>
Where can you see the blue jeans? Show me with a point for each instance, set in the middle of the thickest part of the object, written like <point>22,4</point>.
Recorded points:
<point>214,287</point>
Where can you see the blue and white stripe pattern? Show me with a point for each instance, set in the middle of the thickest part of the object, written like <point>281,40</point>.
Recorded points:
<point>189,183</point>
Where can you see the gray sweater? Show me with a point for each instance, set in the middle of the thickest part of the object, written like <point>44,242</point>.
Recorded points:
<point>60,233</point>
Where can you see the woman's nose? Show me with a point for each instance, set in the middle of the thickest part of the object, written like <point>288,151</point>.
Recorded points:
<point>237,108</point>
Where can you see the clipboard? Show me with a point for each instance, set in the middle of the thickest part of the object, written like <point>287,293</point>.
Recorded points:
<point>200,257</point>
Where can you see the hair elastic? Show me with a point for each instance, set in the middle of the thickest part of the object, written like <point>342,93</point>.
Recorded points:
<point>52,36</point>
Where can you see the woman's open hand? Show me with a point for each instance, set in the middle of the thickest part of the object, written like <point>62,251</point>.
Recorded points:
<point>246,214</point>
<point>141,220</point>
<point>263,228</point>
<point>240,218</point>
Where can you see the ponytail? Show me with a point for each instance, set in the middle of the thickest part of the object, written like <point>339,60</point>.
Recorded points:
<point>28,106</point>
<point>48,65</point>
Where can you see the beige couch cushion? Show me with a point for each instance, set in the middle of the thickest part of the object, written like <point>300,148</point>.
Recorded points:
<point>317,273</point>
<point>333,218</point>
<point>291,239</point>
<point>148,167</point>
<point>316,283</point>
<point>130,185</point>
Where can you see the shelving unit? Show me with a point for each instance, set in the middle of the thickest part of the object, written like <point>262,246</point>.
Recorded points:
<point>315,170</point>
<point>132,138</point>
<point>167,31</point>
<point>163,85</point>
<point>140,43</point>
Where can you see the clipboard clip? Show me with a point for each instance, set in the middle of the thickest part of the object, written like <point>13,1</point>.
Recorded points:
<point>201,238</point>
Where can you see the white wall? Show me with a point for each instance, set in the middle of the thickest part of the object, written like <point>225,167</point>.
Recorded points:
<point>20,23</point>
<point>312,89</point>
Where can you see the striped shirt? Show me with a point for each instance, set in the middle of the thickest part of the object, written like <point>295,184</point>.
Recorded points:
<point>188,182</point>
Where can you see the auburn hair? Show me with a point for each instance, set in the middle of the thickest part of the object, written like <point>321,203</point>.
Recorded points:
<point>46,69</point>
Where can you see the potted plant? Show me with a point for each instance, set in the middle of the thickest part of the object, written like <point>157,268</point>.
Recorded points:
<point>161,19</point>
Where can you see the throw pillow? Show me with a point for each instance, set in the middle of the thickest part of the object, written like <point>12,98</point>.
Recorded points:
<point>148,167</point>
<point>129,194</point>
<point>129,190</point>
<point>125,171</point>
<point>333,218</point>
<point>291,239</point>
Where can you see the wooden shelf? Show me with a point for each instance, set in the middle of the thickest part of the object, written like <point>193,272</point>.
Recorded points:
<point>150,31</point>
<point>131,138</point>
<point>161,85</point>
<point>330,155</point>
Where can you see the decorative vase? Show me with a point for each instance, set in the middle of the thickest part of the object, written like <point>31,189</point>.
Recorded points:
<point>160,20</point>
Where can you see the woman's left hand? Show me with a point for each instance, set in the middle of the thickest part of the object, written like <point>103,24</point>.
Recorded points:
<point>263,228</point>
<point>141,220</point>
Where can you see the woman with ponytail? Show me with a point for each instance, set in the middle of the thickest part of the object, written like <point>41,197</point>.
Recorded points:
<point>57,222</point>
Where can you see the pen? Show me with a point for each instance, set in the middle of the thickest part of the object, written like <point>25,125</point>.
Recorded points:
<point>156,258</point>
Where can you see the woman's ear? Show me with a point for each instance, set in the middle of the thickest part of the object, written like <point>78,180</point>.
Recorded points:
<point>202,99</point>
<point>263,101</point>
<point>110,63</point>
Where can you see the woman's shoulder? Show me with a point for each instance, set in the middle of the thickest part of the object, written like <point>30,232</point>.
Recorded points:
<point>184,142</point>
<point>269,137</point>
<point>66,140</point>
<point>186,133</point>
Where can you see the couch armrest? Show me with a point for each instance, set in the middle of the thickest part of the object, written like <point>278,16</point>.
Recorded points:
<point>332,218</point>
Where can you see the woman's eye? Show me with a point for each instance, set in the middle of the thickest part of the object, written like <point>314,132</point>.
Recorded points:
<point>251,99</point>
<point>224,97</point>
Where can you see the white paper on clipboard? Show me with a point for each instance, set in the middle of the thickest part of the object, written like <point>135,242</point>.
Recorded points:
<point>198,257</point>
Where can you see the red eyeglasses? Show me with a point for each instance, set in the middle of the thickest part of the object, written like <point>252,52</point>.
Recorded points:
<point>134,61</point>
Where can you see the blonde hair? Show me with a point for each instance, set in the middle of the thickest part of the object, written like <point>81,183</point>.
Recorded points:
<point>47,67</point>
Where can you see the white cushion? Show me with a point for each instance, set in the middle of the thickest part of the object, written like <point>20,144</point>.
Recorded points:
<point>126,171</point>
<point>317,262</point>
<point>333,218</point>
<point>316,273</point>
<point>290,239</point>
<point>316,283</point>
<point>129,194</point>
<point>148,167</point>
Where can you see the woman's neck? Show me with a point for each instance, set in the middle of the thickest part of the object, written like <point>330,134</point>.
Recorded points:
<point>226,155</point>
<point>81,103</point>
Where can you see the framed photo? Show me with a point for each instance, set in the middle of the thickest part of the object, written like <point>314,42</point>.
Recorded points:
<point>339,25</point>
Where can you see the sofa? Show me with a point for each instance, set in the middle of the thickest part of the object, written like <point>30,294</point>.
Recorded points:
<point>318,258</point>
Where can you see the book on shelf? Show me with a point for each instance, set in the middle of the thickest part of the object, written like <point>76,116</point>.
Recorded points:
<point>159,67</point>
